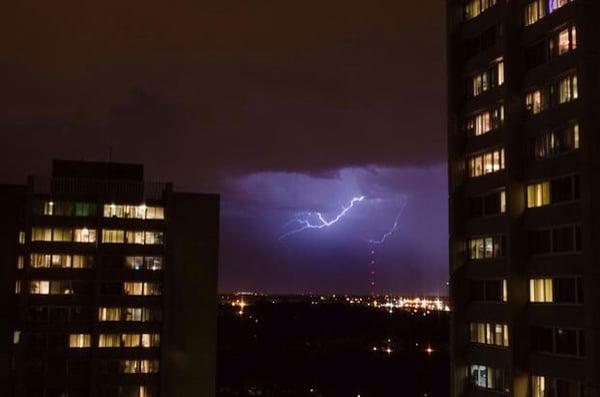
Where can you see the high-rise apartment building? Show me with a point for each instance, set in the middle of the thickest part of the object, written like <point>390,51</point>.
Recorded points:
<point>524,162</point>
<point>108,285</point>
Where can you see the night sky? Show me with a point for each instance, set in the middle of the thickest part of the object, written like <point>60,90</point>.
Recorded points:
<point>282,107</point>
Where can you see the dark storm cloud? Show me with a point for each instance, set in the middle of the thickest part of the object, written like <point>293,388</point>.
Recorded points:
<point>218,87</point>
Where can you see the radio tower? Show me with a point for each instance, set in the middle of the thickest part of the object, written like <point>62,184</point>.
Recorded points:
<point>372,273</point>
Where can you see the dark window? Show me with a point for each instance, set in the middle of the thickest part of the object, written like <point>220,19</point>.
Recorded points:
<point>489,204</point>
<point>487,290</point>
<point>477,290</point>
<point>37,340</point>
<point>557,240</point>
<point>565,388</point>
<point>113,262</point>
<point>566,290</point>
<point>79,313</point>
<point>564,189</point>
<point>476,207</point>
<point>57,340</point>
<point>110,367</point>
<point>540,241</point>
<point>566,341</point>
<point>542,339</point>
<point>536,55</point>
<point>558,341</point>
<point>82,287</point>
<point>480,43</point>
<point>112,288</point>
<point>563,239</point>
<point>58,314</point>
<point>492,204</point>
<point>56,368</point>
<point>493,290</point>
<point>38,313</point>
<point>78,368</point>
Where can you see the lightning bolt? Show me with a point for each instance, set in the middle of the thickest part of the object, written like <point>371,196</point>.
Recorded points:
<point>316,220</point>
<point>394,227</point>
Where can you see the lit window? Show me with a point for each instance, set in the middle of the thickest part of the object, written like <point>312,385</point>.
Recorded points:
<point>60,260</point>
<point>54,287</point>
<point>486,247</point>
<point>553,5</point>
<point>80,340</point>
<point>134,262</point>
<point>48,208</point>
<point>113,236</point>
<point>62,234</point>
<point>143,262</point>
<point>20,262</point>
<point>52,208</point>
<point>39,287</point>
<point>40,260</point>
<point>475,7</point>
<point>85,235</point>
<point>486,163</point>
<point>144,392</point>
<point>488,378</point>
<point>568,89</point>
<point>109,340</point>
<point>16,337</point>
<point>500,72</point>
<point>153,262</point>
<point>85,209</point>
<point>488,79</point>
<point>21,237</point>
<point>485,121</point>
<point>130,340</point>
<point>133,211</point>
<point>155,213</point>
<point>133,288</point>
<point>139,288</point>
<point>152,289</point>
<point>148,366</point>
<point>489,334</point>
<point>134,237</point>
<point>550,144</point>
<point>567,41</point>
<point>540,290</point>
<point>82,262</point>
<point>534,11</point>
<point>150,340</point>
<point>133,314</point>
<point>538,386</point>
<point>534,103</point>
<point>144,237</point>
<point>41,234</point>
<point>153,238</point>
<point>130,366</point>
<point>538,194</point>
<point>18,287</point>
<point>139,366</point>
<point>109,314</point>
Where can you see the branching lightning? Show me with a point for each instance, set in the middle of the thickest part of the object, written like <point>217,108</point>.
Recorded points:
<point>393,229</point>
<point>316,220</point>
<point>380,241</point>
